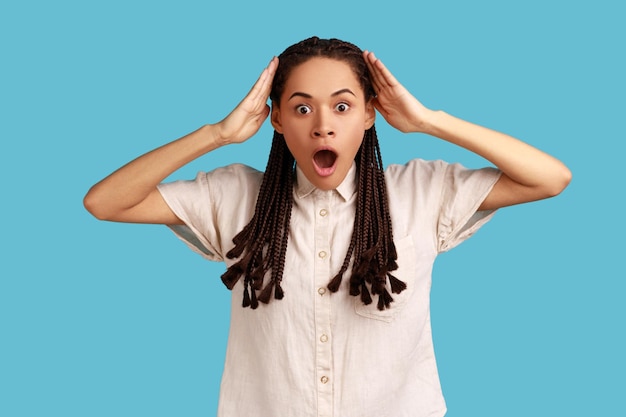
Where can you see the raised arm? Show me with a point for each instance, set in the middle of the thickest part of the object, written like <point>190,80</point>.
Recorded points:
<point>130,194</point>
<point>528,173</point>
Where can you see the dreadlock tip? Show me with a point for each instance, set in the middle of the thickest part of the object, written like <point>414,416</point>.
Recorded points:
<point>335,283</point>
<point>397,286</point>
<point>246,298</point>
<point>266,294</point>
<point>279,294</point>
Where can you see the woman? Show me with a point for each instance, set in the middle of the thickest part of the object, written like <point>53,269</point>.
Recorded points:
<point>325,208</point>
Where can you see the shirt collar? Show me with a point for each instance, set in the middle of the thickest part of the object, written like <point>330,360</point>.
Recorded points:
<point>346,189</point>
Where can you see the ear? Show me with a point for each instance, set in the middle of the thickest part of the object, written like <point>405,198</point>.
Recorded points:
<point>275,119</point>
<point>370,114</point>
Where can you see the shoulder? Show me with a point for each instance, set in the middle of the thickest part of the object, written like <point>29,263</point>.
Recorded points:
<point>235,172</point>
<point>421,171</point>
<point>230,178</point>
<point>235,179</point>
<point>435,181</point>
<point>415,171</point>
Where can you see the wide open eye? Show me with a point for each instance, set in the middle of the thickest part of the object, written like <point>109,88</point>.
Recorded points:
<point>341,107</point>
<point>302,109</point>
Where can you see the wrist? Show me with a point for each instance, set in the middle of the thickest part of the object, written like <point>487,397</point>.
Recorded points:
<point>431,122</point>
<point>213,135</point>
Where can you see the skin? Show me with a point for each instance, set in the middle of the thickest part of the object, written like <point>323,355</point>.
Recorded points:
<point>528,173</point>
<point>130,194</point>
<point>323,108</point>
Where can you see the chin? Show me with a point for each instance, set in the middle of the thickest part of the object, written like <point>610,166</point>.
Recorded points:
<point>329,183</point>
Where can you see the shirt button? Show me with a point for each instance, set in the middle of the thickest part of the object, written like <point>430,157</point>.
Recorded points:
<point>323,212</point>
<point>323,338</point>
<point>322,254</point>
<point>324,379</point>
<point>321,290</point>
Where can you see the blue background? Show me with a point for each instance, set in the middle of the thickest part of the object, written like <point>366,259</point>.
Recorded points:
<point>103,319</point>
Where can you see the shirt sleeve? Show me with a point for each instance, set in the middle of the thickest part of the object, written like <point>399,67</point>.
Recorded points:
<point>463,191</point>
<point>214,207</point>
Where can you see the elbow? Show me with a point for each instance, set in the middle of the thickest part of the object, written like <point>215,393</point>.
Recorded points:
<point>559,182</point>
<point>93,205</point>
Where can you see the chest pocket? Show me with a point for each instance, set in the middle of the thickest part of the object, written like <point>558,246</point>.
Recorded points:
<point>406,272</point>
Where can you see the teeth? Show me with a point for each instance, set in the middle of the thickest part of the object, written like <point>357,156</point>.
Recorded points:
<point>325,158</point>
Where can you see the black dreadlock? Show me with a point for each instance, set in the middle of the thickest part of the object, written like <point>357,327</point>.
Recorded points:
<point>262,244</point>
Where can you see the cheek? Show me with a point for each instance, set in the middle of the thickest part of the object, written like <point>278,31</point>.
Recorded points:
<point>294,128</point>
<point>295,145</point>
<point>358,139</point>
<point>357,132</point>
<point>356,146</point>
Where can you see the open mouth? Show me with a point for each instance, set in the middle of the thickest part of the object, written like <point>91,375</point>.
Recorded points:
<point>325,161</point>
<point>325,158</point>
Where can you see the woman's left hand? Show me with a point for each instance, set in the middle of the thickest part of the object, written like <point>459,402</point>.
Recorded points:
<point>394,102</point>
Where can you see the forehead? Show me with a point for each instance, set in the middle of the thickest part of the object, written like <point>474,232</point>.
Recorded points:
<point>321,77</point>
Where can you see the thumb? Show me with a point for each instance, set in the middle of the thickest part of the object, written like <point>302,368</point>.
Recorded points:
<point>265,113</point>
<point>379,107</point>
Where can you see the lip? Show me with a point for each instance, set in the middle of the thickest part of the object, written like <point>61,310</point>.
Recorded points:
<point>325,171</point>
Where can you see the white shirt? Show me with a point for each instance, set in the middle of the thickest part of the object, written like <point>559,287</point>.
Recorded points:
<point>314,353</point>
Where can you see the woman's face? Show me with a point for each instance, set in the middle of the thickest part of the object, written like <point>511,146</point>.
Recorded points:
<point>323,116</point>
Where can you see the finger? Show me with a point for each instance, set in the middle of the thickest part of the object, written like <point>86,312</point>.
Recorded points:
<point>384,77</point>
<point>375,77</point>
<point>376,71</point>
<point>385,74</point>
<point>273,65</point>
<point>379,107</point>
<point>266,87</point>
<point>266,112</point>
<point>370,59</point>
<point>261,88</point>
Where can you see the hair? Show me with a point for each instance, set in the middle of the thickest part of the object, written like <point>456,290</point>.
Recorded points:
<point>262,244</point>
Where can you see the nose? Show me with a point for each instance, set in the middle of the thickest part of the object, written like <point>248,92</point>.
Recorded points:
<point>323,133</point>
<point>323,126</point>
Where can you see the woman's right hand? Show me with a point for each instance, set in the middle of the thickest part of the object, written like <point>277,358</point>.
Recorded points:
<point>130,194</point>
<point>246,119</point>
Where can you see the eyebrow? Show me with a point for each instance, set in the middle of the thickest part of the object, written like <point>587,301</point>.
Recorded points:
<point>336,93</point>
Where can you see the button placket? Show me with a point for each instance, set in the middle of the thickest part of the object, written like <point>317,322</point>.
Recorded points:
<point>322,304</point>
